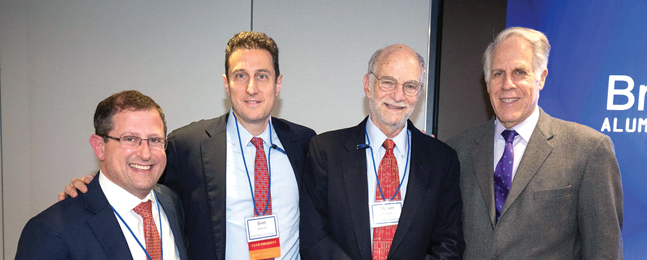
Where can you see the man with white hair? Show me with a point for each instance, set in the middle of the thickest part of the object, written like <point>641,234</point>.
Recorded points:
<point>533,186</point>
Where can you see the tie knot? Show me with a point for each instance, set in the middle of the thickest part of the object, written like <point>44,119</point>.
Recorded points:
<point>143,209</point>
<point>258,142</point>
<point>388,144</point>
<point>509,135</point>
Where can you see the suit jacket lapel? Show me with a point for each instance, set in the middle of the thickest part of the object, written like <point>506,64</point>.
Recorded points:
<point>214,167</point>
<point>355,180</point>
<point>291,146</point>
<point>171,215</point>
<point>537,151</point>
<point>483,158</point>
<point>417,185</point>
<point>104,224</point>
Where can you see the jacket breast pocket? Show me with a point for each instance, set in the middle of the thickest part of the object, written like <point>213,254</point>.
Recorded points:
<point>552,193</point>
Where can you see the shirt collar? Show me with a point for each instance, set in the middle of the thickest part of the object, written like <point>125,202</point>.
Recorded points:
<point>524,129</point>
<point>246,136</point>
<point>120,199</point>
<point>377,138</point>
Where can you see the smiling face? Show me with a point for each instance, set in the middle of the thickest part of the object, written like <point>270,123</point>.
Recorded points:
<point>252,86</point>
<point>136,170</point>
<point>514,86</point>
<point>390,110</point>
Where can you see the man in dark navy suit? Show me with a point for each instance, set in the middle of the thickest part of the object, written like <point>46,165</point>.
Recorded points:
<point>124,214</point>
<point>407,208</point>
<point>211,163</point>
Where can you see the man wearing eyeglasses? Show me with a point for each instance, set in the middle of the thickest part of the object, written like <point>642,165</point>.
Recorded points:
<point>243,168</point>
<point>383,189</point>
<point>124,214</point>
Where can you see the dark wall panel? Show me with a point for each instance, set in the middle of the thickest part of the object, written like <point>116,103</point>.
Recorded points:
<point>468,27</point>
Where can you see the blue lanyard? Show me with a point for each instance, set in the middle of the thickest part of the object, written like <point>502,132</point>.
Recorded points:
<point>159,217</point>
<point>406,166</point>
<point>269,168</point>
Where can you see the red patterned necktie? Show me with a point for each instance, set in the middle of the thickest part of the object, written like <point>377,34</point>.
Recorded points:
<point>153,243</point>
<point>389,180</point>
<point>261,180</point>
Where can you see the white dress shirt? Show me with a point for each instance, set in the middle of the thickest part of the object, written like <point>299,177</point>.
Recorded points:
<point>377,138</point>
<point>524,129</point>
<point>123,202</point>
<point>240,199</point>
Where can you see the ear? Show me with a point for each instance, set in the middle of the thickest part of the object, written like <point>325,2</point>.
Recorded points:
<point>542,79</point>
<point>278,84</point>
<point>98,145</point>
<point>367,86</point>
<point>225,83</point>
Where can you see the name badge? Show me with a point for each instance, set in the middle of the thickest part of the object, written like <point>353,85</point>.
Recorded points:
<point>385,213</point>
<point>263,237</point>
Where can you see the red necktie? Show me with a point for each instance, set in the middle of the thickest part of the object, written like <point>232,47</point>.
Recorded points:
<point>153,242</point>
<point>389,180</point>
<point>261,179</point>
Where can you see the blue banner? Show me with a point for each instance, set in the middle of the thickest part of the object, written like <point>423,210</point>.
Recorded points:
<point>597,76</point>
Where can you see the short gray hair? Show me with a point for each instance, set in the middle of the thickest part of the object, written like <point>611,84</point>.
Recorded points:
<point>538,43</point>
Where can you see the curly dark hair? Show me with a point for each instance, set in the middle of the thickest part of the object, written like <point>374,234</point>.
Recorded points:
<point>250,41</point>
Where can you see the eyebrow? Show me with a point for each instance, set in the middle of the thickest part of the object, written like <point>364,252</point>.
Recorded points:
<point>255,71</point>
<point>263,70</point>
<point>520,68</point>
<point>513,69</point>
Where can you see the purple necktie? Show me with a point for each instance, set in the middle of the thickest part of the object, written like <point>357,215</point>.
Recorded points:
<point>503,172</point>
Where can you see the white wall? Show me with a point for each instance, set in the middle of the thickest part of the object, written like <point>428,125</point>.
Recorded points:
<point>58,59</point>
<point>325,47</point>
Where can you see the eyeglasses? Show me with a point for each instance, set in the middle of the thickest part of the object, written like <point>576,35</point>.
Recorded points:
<point>388,84</point>
<point>133,142</point>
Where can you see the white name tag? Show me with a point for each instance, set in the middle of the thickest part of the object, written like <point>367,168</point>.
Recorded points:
<point>385,213</point>
<point>261,228</point>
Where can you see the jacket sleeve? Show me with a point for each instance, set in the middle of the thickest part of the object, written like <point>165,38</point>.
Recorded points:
<point>600,204</point>
<point>447,239</point>
<point>40,240</point>
<point>315,237</point>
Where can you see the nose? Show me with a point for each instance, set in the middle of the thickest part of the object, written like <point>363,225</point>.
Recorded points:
<point>398,93</point>
<point>507,83</point>
<point>252,87</point>
<point>144,151</point>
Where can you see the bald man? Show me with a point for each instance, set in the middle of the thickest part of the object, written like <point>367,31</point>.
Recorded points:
<point>382,189</point>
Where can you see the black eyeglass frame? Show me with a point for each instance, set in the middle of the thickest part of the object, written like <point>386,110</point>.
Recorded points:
<point>125,145</point>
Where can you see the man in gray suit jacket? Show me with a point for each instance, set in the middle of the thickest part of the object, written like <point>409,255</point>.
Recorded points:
<point>561,196</point>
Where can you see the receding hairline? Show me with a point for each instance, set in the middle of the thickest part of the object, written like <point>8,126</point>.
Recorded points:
<point>399,49</point>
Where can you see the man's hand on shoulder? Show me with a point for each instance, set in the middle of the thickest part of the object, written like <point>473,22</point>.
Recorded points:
<point>425,132</point>
<point>80,184</point>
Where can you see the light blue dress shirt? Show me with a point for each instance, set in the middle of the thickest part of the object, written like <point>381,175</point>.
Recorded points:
<point>240,200</point>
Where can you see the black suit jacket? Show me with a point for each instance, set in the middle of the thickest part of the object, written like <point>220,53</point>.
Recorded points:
<point>196,169</point>
<point>85,227</point>
<point>334,202</point>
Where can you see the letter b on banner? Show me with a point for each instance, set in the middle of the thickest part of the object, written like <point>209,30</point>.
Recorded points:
<point>612,92</point>
<point>624,92</point>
